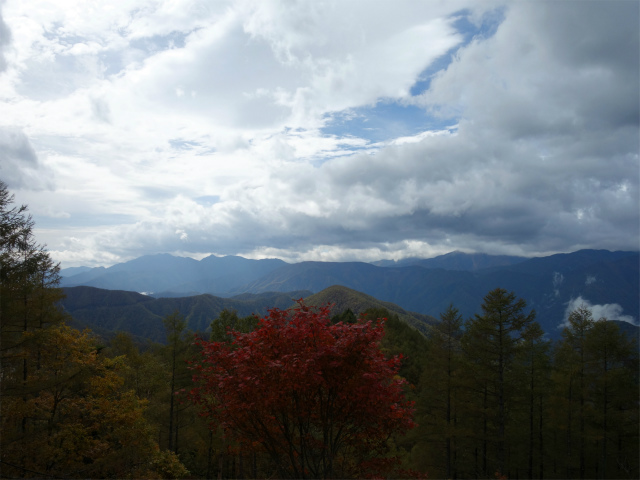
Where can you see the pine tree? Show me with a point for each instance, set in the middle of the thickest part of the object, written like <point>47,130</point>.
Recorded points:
<point>490,343</point>
<point>28,304</point>
<point>570,360</point>
<point>611,375</point>
<point>534,367</point>
<point>440,400</point>
<point>175,325</point>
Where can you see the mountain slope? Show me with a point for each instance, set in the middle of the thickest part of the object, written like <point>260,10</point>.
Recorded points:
<point>343,298</point>
<point>141,315</point>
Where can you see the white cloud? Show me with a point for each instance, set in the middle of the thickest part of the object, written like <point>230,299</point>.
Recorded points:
<point>133,110</point>
<point>610,311</point>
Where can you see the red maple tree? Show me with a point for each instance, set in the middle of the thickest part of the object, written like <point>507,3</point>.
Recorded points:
<point>320,399</point>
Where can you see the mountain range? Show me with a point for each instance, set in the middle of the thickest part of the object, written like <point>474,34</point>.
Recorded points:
<point>609,281</point>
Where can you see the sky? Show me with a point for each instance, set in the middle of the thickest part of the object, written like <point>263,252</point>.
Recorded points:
<point>325,130</point>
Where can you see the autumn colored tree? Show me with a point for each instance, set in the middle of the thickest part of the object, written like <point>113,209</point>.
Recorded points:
<point>28,293</point>
<point>82,422</point>
<point>320,400</point>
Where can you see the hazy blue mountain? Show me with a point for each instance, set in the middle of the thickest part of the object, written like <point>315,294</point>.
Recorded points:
<point>469,262</point>
<point>548,284</point>
<point>174,275</point>
<point>71,271</point>
<point>567,262</point>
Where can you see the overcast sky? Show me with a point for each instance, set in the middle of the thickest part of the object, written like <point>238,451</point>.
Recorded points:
<point>337,130</point>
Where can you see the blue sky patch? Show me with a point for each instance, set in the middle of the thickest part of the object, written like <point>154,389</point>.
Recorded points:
<point>207,200</point>
<point>469,30</point>
<point>390,119</point>
<point>384,121</point>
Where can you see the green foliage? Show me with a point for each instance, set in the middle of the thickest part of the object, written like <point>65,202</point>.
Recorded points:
<point>491,342</point>
<point>401,339</point>
<point>595,399</point>
<point>229,321</point>
<point>342,298</point>
<point>345,317</point>
<point>441,399</point>
<point>142,316</point>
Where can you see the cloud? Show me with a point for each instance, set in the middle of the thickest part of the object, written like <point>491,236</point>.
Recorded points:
<point>5,40</point>
<point>522,138</point>
<point>19,164</point>
<point>610,311</point>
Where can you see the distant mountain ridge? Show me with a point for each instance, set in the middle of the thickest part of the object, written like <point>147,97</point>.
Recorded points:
<point>468,262</point>
<point>549,284</point>
<point>174,275</point>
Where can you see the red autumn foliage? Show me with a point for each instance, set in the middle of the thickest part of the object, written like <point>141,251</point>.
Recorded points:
<point>320,399</point>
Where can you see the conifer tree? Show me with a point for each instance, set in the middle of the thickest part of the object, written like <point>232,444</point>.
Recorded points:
<point>28,297</point>
<point>490,342</point>
<point>175,325</point>
<point>64,411</point>
<point>440,400</point>
<point>612,377</point>
<point>534,365</point>
<point>570,360</point>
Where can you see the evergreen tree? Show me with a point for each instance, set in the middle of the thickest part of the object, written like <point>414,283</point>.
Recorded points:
<point>228,320</point>
<point>440,398</point>
<point>65,413</point>
<point>177,346</point>
<point>570,361</point>
<point>490,343</point>
<point>534,366</point>
<point>612,376</point>
<point>28,304</point>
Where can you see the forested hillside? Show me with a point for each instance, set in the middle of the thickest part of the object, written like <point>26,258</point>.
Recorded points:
<point>141,315</point>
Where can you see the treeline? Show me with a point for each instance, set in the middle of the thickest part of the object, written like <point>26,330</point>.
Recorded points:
<point>496,399</point>
<point>493,398</point>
